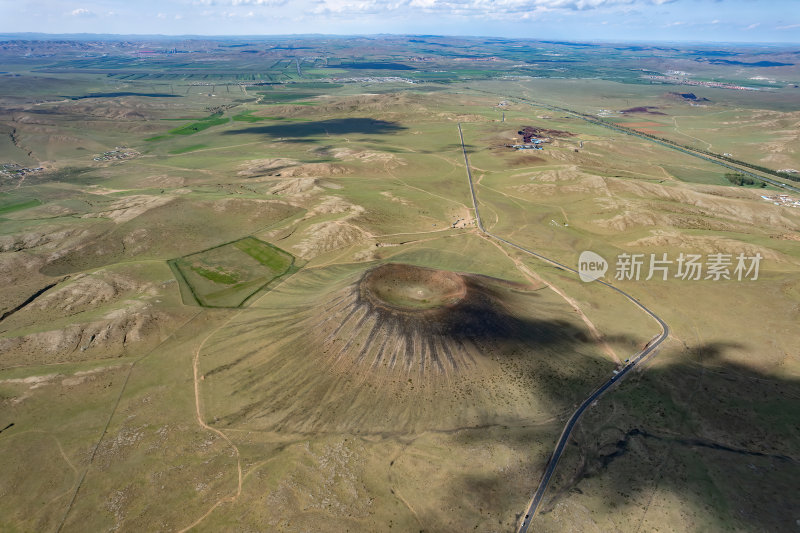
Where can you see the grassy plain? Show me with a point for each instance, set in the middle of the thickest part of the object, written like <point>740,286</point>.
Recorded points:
<point>274,405</point>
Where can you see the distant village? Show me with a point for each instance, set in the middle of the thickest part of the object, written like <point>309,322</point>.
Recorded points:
<point>13,170</point>
<point>370,79</point>
<point>681,80</point>
<point>119,153</point>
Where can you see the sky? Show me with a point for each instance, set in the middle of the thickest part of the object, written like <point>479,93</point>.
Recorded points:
<point>576,20</point>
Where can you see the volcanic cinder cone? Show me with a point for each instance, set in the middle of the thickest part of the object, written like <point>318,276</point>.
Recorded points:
<point>405,319</point>
<point>396,348</point>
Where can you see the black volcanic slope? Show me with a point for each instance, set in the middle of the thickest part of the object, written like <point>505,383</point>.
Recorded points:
<point>415,320</point>
<point>397,348</point>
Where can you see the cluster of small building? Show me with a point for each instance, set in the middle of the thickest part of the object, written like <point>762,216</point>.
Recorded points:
<point>782,199</point>
<point>461,223</point>
<point>478,59</point>
<point>117,154</point>
<point>686,81</point>
<point>371,79</point>
<point>788,171</point>
<point>535,144</point>
<point>529,140</point>
<point>13,170</point>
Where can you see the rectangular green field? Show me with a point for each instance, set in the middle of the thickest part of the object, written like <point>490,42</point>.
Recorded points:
<point>228,275</point>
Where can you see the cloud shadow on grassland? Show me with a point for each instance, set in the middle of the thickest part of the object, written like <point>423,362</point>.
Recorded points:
<point>320,128</point>
<point>721,436</point>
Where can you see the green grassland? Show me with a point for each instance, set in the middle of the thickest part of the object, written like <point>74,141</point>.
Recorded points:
<point>175,362</point>
<point>248,117</point>
<point>16,204</point>
<point>200,125</point>
<point>228,275</point>
<point>190,129</point>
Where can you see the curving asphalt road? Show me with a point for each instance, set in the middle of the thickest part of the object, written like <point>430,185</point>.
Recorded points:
<point>533,506</point>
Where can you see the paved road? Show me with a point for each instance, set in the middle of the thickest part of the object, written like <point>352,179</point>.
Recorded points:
<point>533,506</point>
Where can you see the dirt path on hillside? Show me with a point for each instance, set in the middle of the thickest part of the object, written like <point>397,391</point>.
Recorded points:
<point>529,274</point>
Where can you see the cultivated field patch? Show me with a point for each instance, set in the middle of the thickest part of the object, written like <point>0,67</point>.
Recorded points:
<point>228,275</point>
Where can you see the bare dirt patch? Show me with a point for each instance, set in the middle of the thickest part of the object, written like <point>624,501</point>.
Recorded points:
<point>130,207</point>
<point>87,291</point>
<point>327,236</point>
<point>112,335</point>
<point>296,187</point>
<point>289,168</point>
<point>348,154</point>
<point>335,204</point>
<point>46,238</point>
<point>259,167</point>
<point>314,169</point>
<point>395,199</point>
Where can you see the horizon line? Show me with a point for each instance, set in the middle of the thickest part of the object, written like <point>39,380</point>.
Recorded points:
<point>77,35</point>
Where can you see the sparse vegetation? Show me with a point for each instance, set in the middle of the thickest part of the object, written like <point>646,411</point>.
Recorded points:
<point>216,274</point>
<point>187,149</point>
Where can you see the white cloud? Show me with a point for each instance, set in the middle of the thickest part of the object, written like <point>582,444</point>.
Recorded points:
<point>240,3</point>
<point>81,12</point>
<point>490,8</point>
<point>789,27</point>
<point>753,26</point>
<point>258,2</point>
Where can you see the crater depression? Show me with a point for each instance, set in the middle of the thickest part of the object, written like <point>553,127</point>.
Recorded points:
<point>398,347</point>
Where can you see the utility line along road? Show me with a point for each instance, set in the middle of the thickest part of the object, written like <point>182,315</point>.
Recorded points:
<point>533,506</point>
<point>717,160</point>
